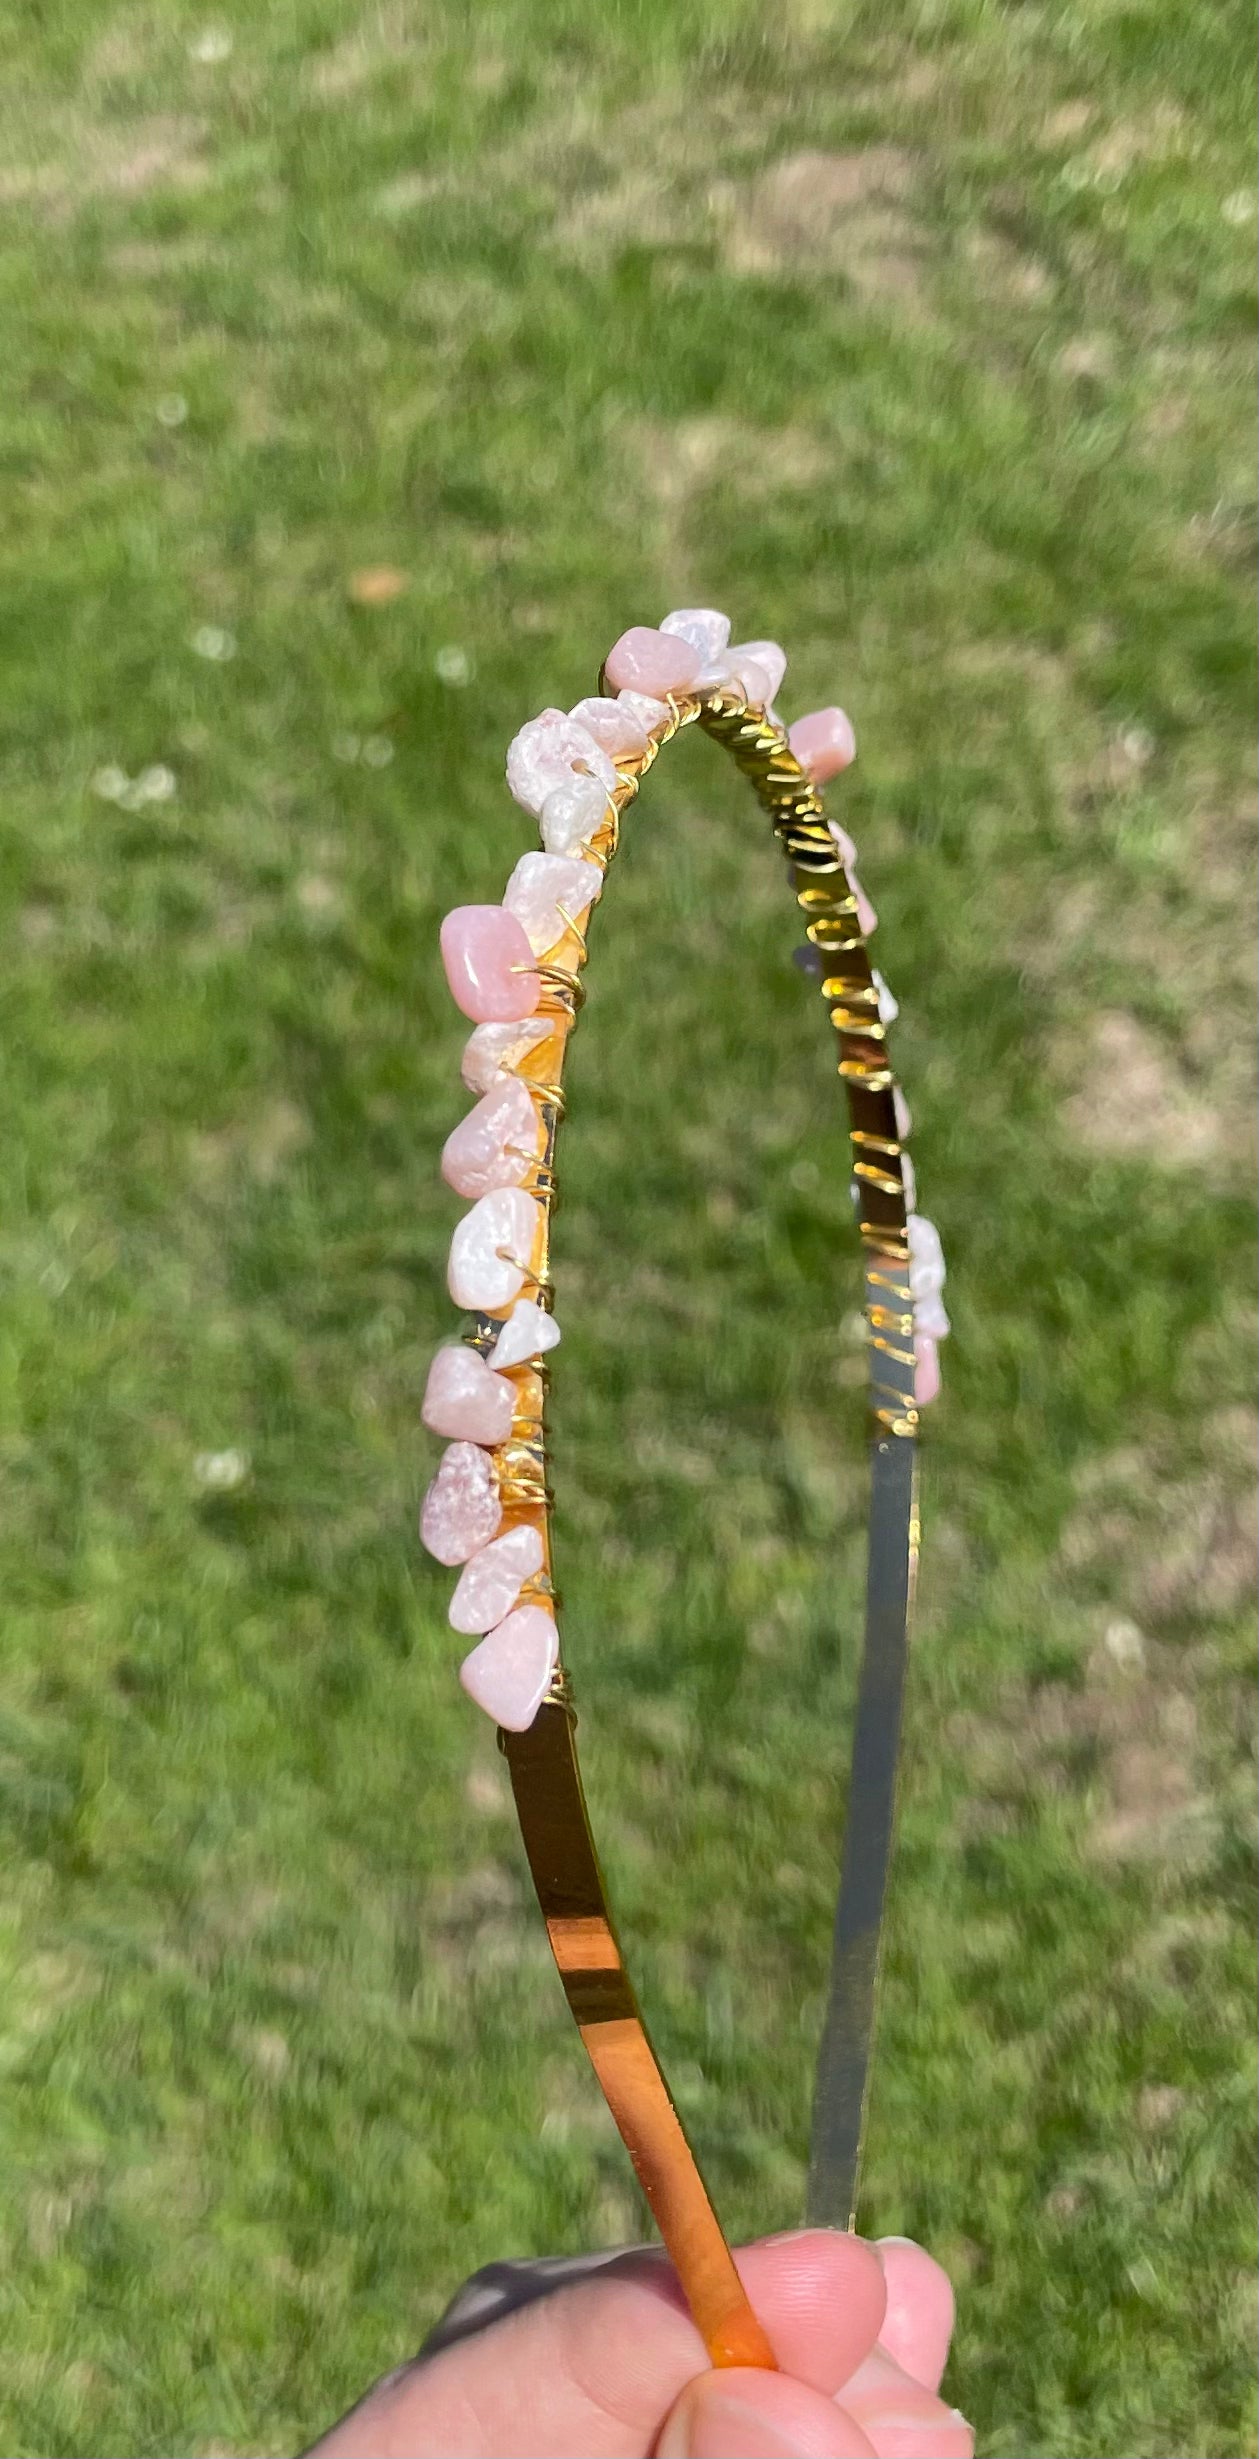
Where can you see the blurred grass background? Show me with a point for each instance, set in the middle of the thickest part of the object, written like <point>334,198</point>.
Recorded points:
<point>919,336</point>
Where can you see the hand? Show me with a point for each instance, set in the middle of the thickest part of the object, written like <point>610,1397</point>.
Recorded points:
<point>597,2358</point>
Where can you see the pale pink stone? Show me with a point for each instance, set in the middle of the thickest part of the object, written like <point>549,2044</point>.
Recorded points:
<point>901,1111</point>
<point>571,814</point>
<point>846,849</point>
<point>487,960</point>
<point>926,1372</point>
<point>547,752</point>
<point>539,885</point>
<point>653,715</point>
<point>496,1143</point>
<point>824,743</point>
<point>494,1050</point>
<point>509,1673</point>
<point>926,1258</point>
<point>705,629</point>
<point>758,666</point>
<point>614,726</point>
<point>653,662</point>
<point>488,1586</point>
<point>528,1331</point>
<point>909,1182</point>
<point>465,1399</point>
<point>930,1317</point>
<point>867,919</point>
<point>492,1249</point>
<point>461,1509</point>
<point>889,1008</point>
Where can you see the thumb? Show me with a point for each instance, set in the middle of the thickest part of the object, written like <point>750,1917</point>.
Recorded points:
<point>743,2415</point>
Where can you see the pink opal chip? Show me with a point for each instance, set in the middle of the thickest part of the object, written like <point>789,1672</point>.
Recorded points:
<point>824,743</point>
<point>461,1509</point>
<point>655,663</point>
<point>528,1332</point>
<point>492,1250</point>
<point>705,629</point>
<point>488,1585</point>
<point>930,1315</point>
<point>497,1143</point>
<point>904,1121</point>
<point>548,752</point>
<point>926,1371</point>
<point>867,919</point>
<point>614,726</point>
<point>465,1399</point>
<point>844,846</point>
<point>540,885</point>
<point>571,813</point>
<point>509,1673</point>
<point>757,667</point>
<point>654,716</point>
<point>488,964</point>
<point>494,1051</point>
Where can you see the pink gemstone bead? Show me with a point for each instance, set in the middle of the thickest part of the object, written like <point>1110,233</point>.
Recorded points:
<point>614,726</point>
<point>652,715</point>
<point>508,1674</point>
<point>651,662</point>
<point>488,963</point>
<point>495,1144</point>
<point>465,1399</point>
<point>528,1333</point>
<point>705,629</point>
<point>461,1509</point>
<point>488,1586</point>
<point>494,1050</point>
<point>759,665</point>
<point>867,919</point>
<point>492,1249</point>
<point>549,752</point>
<point>539,885</point>
<point>845,848</point>
<point>824,743</point>
<point>926,1371</point>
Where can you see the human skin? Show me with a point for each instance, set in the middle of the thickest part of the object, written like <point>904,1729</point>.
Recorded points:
<point>597,2358</point>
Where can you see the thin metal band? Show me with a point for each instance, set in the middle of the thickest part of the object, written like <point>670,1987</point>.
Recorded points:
<point>543,1762</point>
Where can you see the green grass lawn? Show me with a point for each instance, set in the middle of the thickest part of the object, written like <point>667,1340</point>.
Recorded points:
<point>919,337</point>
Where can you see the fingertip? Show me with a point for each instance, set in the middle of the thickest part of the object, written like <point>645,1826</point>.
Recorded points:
<point>918,2322</point>
<point>743,2415</point>
<point>821,2295</point>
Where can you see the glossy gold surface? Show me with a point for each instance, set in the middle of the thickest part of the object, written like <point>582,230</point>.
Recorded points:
<point>543,1762</point>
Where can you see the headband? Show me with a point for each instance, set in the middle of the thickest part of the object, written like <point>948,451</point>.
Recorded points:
<point>515,970</point>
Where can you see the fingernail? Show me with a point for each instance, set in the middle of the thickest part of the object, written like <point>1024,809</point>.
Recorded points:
<point>899,2434</point>
<point>719,2427</point>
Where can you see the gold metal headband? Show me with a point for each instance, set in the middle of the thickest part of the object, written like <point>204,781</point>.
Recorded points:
<point>516,969</point>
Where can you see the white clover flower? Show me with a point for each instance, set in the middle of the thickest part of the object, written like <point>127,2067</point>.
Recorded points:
<point>212,641</point>
<point>220,1472</point>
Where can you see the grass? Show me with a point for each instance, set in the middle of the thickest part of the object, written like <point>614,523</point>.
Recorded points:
<point>920,337</point>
